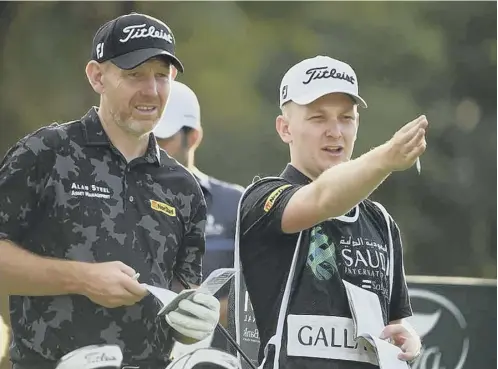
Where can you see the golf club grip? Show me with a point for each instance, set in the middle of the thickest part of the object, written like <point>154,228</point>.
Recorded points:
<point>220,328</point>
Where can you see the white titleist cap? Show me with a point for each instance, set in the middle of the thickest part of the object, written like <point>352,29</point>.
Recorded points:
<point>182,110</point>
<point>92,357</point>
<point>201,357</point>
<point>315,77</point>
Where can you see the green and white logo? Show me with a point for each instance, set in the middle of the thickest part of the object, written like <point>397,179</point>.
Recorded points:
<point>321,255</point>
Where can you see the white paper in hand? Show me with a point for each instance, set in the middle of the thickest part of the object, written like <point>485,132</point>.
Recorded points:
<point>387,354</point>
<point>369,324</point>
<point>366,310</point>
<point>164,295</point>
<point>169,300</point>
<point>173,304</point>
<point>217,279</point>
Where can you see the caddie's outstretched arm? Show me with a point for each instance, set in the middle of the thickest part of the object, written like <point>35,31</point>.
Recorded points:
<point>341,187</point>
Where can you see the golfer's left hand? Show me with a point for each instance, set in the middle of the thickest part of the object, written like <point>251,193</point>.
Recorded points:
<point>195,317</point>
<point>406,339</point>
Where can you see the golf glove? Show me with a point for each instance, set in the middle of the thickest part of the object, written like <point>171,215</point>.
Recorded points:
<point>196,316</point>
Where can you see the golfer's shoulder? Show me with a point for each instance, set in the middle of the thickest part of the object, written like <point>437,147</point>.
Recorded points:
<point>51,137</point>
<point>177,177</point>
<point>41,145</point>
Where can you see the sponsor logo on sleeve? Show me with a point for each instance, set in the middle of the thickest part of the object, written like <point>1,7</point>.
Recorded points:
<point>273,196</point>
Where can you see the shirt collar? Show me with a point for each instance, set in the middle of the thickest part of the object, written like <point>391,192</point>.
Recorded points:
<point>295,176</point>
<point>153,153</point>
<point>95,135</point>
<point>92,129</point>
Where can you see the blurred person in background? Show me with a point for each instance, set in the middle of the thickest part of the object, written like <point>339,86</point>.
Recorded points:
<point>179,133</point>
<point>311,235</point>
<point>88,204</point>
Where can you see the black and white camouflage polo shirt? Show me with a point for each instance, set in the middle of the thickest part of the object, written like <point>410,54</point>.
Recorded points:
<point>67,192</point>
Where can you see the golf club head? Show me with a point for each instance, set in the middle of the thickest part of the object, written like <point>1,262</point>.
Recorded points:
<point>205,358</point>
<point>92,357</point>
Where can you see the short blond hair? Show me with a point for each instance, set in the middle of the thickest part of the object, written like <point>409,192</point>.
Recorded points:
<point>285,109</point>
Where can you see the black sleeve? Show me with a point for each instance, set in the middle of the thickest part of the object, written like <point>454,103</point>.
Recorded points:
<point>23,173</point>
<point>191,252</point>
<point>263,206</point>
<point>400,306</point>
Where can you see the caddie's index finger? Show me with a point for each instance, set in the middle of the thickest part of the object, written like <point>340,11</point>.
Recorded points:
<point>412,124</point>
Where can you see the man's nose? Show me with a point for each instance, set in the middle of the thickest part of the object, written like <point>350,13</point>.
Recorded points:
<point>333,129</point>
<point>149,87</point>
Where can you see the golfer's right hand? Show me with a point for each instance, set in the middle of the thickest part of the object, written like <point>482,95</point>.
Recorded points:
<point>111,284</point>
<point>403,149</point>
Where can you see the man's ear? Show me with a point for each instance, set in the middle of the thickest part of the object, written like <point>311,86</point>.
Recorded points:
<point>282,127</point>
<point>94,73</point>
<point>174,72</point>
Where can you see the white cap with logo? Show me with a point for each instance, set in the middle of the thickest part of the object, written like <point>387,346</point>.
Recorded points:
<point>182,110</point>
<point>313,78</point>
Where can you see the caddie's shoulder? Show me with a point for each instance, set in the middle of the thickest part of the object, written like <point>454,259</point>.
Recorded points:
<point>263,192</point>
<point>260,187</point>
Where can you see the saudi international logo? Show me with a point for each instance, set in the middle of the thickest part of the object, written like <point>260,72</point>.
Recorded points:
<point>321,255</point>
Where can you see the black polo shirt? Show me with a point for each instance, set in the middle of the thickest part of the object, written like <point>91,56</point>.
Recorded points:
<point>68,193</point>
<point>354,246</point>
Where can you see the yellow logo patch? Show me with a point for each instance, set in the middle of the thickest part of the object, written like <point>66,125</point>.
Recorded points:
<point>273,196</point>
<point>163,208</point>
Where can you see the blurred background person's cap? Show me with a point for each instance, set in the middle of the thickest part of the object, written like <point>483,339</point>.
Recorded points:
<point>132,39</point>
<point>182,110</point>
<point>315,77</point>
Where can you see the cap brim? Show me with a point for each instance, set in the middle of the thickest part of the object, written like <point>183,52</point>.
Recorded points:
<point>310,97</point>
<point>165,130</point>
<point>135,58</point>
